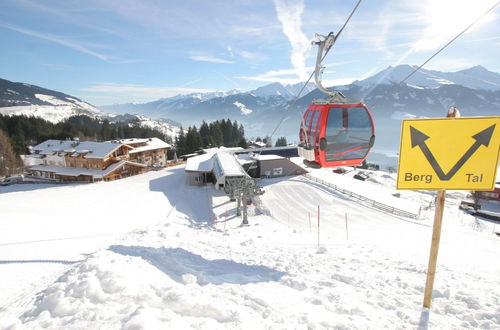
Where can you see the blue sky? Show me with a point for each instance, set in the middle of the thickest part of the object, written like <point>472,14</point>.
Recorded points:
<point>118,51</point>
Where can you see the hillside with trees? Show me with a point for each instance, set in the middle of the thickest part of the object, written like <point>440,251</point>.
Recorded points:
<point>23,131</point>
<point>218,133</point>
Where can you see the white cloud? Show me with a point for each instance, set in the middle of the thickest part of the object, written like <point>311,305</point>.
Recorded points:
<point>446,18</point>
<point>230,51</point>
<point>338,81</point>
<point>123,93</point>
<point>289,14</point>
<point>210,59</point>
<point>57,39</point>
<point>287,76</point>
<point>252,56</point>
<point>450,64</point>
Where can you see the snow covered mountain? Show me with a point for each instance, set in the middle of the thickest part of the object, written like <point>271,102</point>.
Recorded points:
<point>20,98</point>
<point>53,106</point>
<point>274,94</point>
<point>475,78</point>
<point>428,93</point>
<point>288,92</point>
<point>160,108</point>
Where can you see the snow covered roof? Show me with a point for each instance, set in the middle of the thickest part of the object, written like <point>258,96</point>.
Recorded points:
<point>244,159</point>
<point>72,171</point>
<point>201,163</point>
<point>89,148</point>
<point>257,143</point>
<point>268,157</point>
<point>224,149</point>
<point>224,157</point>
<point>228,164</point>
<point>151,144</point>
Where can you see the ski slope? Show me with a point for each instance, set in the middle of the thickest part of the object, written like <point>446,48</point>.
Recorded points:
<point>150,252</point>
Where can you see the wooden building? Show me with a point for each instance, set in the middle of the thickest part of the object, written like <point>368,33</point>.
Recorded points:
<point>151,151</point>
<point>72,160</point>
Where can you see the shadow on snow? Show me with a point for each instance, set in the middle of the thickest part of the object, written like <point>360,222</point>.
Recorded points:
<point>195,202</point>
<point>175,262</point>
<point>21,187</point>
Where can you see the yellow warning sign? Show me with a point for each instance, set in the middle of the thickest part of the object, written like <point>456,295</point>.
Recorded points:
<point>449,153</point>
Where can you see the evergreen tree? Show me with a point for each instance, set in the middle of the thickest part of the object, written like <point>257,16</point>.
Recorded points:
<point>216,134</point>
<point>193,140</point>
<point>243,143</point>
<point>268,141</point>
<point>24,131</point>
<point>180,142</point>
<point>205,134</point>
<point>235,133</point>
<point>281,142</point>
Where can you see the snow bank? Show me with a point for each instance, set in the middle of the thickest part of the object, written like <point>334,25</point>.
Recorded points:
<point>198,268</point>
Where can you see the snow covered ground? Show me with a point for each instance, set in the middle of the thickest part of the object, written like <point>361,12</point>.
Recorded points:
<point>150,252</point>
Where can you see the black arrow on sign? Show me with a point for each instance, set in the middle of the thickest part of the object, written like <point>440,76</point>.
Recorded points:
<point>418,139</point>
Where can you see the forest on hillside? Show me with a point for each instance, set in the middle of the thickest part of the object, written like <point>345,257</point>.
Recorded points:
<point>24,131</point>
<point>17,133</point>
<point>215,134</point>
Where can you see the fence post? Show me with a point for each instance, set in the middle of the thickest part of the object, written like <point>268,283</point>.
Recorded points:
<point>309,215</point>
<point>318,226</point>
<point>346,230</point>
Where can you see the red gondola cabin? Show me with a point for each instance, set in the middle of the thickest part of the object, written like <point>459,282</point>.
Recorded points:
<point>336,134</point>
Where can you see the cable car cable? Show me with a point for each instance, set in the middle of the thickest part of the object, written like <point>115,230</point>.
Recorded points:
<point>310,77</point>
<point>312,74</point>
<point>435,54</point>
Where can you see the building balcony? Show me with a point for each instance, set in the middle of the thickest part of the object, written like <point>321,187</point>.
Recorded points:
<point>119,158</point>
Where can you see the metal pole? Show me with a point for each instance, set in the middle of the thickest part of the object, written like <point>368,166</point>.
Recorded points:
<point>238,202</point>
<point>245,216</point>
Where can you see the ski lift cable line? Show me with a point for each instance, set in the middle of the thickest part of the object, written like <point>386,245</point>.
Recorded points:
<point>310,77</point>
<point>312,74</point>
<point>436,53</point>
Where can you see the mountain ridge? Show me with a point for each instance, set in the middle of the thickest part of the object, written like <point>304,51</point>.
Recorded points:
<point>428,93</point>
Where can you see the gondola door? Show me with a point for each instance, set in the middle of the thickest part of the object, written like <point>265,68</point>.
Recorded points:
<point>346,134</point>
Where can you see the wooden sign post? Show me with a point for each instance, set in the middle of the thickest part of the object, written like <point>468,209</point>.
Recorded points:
<point>447,154</point>
<point>436,236</point>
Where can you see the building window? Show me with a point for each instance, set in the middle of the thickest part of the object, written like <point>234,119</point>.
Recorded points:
<point>489,194</point>
<point>278,171</point>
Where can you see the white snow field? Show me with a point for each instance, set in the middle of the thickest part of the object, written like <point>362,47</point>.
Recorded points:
<point>150,252</point>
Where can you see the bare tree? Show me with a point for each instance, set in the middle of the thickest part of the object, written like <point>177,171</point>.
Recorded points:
<point>9,161</point>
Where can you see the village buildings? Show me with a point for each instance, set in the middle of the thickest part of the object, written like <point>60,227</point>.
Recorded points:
<point>217,164</point>
<point>87,161</point>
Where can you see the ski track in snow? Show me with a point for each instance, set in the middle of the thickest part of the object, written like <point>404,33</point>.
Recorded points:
<point>190,265</point>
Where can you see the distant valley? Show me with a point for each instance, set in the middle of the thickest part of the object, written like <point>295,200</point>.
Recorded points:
<point>475,91</point>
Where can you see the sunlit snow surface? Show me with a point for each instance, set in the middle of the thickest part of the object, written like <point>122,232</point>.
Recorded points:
<point>150,252</point>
